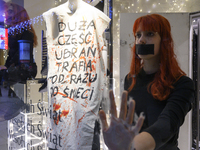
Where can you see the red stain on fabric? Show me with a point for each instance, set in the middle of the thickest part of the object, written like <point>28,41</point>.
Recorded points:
<point>93,67</point>
<point>56,121</point>
<point>56,107</point>
<point>81,118</point>
<point>68,97</point>
<point>88,84</point>
<point>94,61</point>
<point>65,113</point>
<point>86,102</point>
<point>84,105</point>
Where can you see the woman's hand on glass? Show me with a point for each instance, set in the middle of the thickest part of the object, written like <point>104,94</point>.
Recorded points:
<point>120,134</point>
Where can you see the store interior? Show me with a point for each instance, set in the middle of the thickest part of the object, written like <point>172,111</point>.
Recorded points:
<point>184,16</point>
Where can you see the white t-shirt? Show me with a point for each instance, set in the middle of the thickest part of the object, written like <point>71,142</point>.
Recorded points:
<point>76,74</point>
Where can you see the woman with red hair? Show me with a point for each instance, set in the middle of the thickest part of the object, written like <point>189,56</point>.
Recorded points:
<point>159,88</point>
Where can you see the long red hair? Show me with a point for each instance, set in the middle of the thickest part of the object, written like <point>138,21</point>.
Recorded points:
<point>169,70</point>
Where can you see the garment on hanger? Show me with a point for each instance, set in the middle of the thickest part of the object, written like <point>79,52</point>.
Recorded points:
<point>76,74</point>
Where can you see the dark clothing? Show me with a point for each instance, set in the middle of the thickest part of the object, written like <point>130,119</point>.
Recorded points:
<point>19,71</point>
<point>162,118</point>
<point>13,54</point>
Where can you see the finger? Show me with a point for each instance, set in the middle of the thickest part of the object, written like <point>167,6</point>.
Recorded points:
<point>139,122</point>
<point>113,111</point>
<point>131,111</point>
<point>123,109</point>
<point>103,120</point>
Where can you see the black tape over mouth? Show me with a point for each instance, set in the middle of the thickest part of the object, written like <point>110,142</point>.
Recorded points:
<point>144,49</point>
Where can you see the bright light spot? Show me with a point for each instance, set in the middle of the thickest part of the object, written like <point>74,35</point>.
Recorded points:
<point>154,5</point>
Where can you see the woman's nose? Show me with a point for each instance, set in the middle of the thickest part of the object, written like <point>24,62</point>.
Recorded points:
<point>142,40</point>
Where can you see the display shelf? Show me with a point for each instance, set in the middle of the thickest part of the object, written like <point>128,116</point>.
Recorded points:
<point>27,130</point>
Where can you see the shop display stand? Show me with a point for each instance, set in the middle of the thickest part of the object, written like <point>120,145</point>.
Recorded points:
<point>27,130</point>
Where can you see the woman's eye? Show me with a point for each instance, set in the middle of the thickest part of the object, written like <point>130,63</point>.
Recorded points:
<point>150,34</point>
<point>138,35</point>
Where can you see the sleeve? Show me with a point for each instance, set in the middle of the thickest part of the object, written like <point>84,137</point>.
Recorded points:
<point>101,23</point>
<point>172,117</point>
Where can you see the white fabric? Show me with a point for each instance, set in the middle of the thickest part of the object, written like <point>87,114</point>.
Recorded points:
<point>76,74</point>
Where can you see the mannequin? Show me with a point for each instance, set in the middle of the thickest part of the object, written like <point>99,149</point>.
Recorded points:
<point>76,73</point>
<point>73,5</point>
